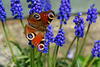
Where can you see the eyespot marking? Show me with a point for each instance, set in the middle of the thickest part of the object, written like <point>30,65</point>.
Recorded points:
<point>36,16</point>
<point>41,47</point>
<point>50,15</point>
<point>30,36</point>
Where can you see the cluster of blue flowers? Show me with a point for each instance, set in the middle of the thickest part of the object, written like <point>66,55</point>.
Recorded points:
<point>2,12</point>
<point>65,11</point>
<point>92,14</point>
<point>35,6</point>
<point>16,9</point>
<point>79,25</point>
<point>49,35</point>
<point>60,38</point>
<point>47,5</point>
<point>96,50</point>
<point>43,3</point>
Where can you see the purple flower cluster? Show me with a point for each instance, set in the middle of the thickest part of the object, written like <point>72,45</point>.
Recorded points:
<point>92,14</point>
<point>16,9</point>
<point>48,38</point>
<point>79,25</point>
<point>49,35</point>
<point>96,50</point>
<point>43,3</point>
<point>60,38</point>
<point>2,12</point>
<point>47,5</point>
<point>35,6</point>
<point>64,11</point>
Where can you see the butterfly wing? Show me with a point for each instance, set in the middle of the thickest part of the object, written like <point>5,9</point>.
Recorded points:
<point>36,37</point>
<point>39,41</point>
<point>46,17</point>
<point>42,20</point>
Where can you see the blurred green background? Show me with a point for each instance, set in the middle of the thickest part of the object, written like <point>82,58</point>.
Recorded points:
<point>77,6</point>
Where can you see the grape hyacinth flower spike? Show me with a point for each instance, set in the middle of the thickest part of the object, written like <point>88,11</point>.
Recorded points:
<point>96,50</point>
<point>79,25</point>
<point>47,5</point>
<point>64,11</point>
<point>49,35</point>
<point>16,9</point>
<point>92,14</point>
<point>2,12</point>
<point>36,6</point>
<point>60,38</point>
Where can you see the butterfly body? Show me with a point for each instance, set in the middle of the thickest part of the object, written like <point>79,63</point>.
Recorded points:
<point>37,26</point>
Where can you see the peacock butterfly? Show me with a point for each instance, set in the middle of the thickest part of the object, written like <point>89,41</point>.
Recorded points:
<point>34,31</point>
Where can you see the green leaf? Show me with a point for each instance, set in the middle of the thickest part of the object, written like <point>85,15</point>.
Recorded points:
<point>22,57</point>
<point>5,44</point>
<point>16,44</point>
<point>78,64</point>
<point>81,60</point>
<point>62,64</point>
<point>17,50</point>
<point>97,62</point>
<point>27,61</point>
<point>94,65</point>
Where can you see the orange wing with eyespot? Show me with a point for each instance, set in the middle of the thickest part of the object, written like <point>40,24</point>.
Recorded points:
<point>42,20</point>
<point>46,17</point>
<point>36,37</point>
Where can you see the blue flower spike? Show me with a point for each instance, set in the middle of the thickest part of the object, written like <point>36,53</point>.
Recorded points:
<point>96,50</point>
<point>79,25</point>
<point>47,5</point>
<point>60,38</point>
<point>49,34</point>
<point>36,6</point>
<point>48,38</point>
<point>2,12</point>
<point>64,11</point>
<point>92,14</point>
<point>16,9</point>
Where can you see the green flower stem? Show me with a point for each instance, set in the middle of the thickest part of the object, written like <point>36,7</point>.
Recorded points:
<point>84,41</point>
<point>39,55</point>
<point>53,54</point>
<point>48,55</point>
<point>70,47</point>
<point>22,23</point>
<point>92,61</point>
<point>98,63</point>
<point>14,58</point>
<point>77,47</point>
<point>56,56</point>
<point>86,60</point>
<point>32,56</point>
<point>17,44</point>
<point>56,50</point>
<point>38,59</point>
